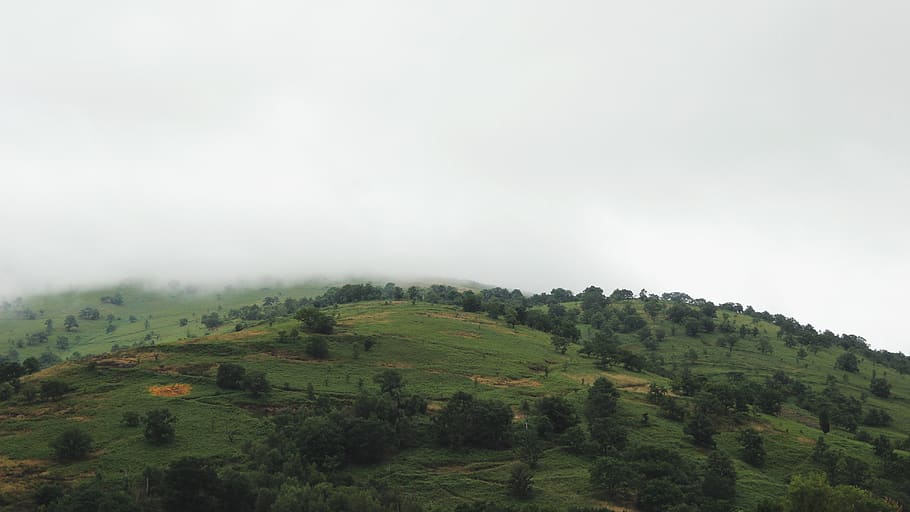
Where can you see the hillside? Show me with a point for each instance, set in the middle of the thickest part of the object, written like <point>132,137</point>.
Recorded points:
<point>438,348</point>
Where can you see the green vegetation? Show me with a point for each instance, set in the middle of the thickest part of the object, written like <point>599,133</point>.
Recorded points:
<point>362,397</point>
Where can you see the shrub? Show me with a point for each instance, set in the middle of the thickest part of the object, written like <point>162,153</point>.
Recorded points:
<point>130,419</point>
<point>521,481</point>
<point>317,347</point>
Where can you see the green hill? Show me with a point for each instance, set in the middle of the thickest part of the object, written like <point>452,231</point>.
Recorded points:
<point>655,351</point>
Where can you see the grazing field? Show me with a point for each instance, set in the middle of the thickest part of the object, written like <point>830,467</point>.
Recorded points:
<point>437,349</point>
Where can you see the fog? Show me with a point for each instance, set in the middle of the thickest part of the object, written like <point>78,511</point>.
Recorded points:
<point>749,153</point>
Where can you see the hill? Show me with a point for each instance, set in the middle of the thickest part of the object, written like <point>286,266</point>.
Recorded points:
<point>666,357</point>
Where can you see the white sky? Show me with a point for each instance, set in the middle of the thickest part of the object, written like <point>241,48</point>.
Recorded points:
<point>756,153</point>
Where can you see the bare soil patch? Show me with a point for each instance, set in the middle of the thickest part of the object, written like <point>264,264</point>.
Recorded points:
<point>394,364</point>
<point>171,390</point>
<point>504,382</point>
<point>17,474</point>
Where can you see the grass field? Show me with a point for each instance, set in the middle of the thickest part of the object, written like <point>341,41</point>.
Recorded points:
<point>438,349</point>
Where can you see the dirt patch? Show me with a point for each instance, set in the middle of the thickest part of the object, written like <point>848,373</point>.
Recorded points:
<point>391,364</point>
<point>380,317</point>
<point>619,379</point>
<point>118,362</point>
<point>16,474</point>
<point>613,506</point>
<point>463,334</point>
<point>805,440</point>
<point>236,335</point>
<point>171,390</point>
<point>504,382</point>
<point>466,469</point>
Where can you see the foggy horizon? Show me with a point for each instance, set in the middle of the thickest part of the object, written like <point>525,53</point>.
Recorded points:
<point>753,154</point>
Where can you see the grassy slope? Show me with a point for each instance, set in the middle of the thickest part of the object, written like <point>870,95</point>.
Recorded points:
<point>439,350</point>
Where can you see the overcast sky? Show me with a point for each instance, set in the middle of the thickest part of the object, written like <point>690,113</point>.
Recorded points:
<point>756,153</point>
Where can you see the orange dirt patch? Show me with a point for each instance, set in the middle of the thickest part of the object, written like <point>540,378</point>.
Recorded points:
<point>805,440</point>
<point>504,382</point>
<point>613,506</point>
<point>171,390</point>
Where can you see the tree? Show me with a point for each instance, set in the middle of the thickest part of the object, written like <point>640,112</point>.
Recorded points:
<point>31,365</point>
<point>89,313</point>
<point>255,383</point>
<point>230,376</point>
<point>764,346</point>
<point>753,447</point>
<point>389,381</point>
<point>471,302</point>
<point>465,421</point>
<point>54,389</point>
<point>812,492</point>
<point>720,477</point>
<point>159,426</point>
<point>701,429</point>
<point>559,413</point>
<point>614,477</point>
<point>190,484</point>
<point>72,444</point>
<point>880,387</point>
<point>521,481</point>
<point>602,400</point>
<point>847,362</point>
<point>315,321</point>
<point>824,421</point>
<point>209,320</point>
<point>560,343</point>
<point>317,347</point>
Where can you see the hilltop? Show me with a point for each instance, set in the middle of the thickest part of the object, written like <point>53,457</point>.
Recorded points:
<point>688,377</point>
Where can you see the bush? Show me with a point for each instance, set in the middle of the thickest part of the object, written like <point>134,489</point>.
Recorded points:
<point>465,421</point>
<point>880,387</point>
<point>72,444</point>
<point>130,419</point>
<point>521,481</point>
<point>753,447</point>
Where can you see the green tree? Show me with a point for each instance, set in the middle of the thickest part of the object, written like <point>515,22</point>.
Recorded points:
<point>753,447</point>
<point>720,477</point>
<point>315,321</point>
<point>560,343</point>
<point>389,381</point>
<point>317,347</point>
<point>559,413</point>
<point>130,419</point>
<point>471,302</point>
<point>159,426</point>
<point>614,477</point>
<point>847,362</point>
<point>702,430</point>
<point>54,389</point>
<point>602,401</point>
<point>880,387</point>
<point>255,383</point>
<point>31,365</point>
<point>72,444</point>
<point>824,422</point>
<point>230,376</point>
